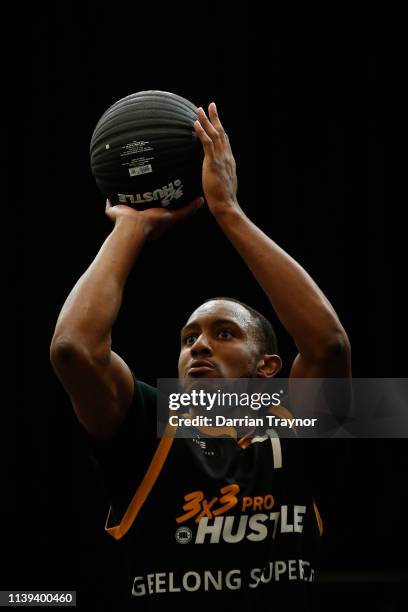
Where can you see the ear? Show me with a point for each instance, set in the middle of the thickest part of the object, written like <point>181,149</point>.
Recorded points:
<point>268,365</point>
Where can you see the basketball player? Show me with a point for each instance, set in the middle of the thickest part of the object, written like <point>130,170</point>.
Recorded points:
<point>216,520</point>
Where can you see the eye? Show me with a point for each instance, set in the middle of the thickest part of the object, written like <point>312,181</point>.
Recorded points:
<point>189,340</point>
<point>224,334</point>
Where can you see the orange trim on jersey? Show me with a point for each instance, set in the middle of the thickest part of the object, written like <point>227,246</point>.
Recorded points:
<point>246,440</point>
<point>230,431</point>
<point>218,431</point>
<point>318,518</point>
<point>143,491</point>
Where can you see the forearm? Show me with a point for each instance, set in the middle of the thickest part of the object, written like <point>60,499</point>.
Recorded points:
<point>90,311</point>
<point>300,305</point>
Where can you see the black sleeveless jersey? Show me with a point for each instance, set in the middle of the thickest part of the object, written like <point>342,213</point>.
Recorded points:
<point>210,521</point>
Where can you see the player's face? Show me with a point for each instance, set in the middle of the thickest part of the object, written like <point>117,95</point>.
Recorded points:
<point>218,341</point>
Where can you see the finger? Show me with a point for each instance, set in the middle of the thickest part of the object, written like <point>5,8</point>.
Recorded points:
<point>213,128</point>
<point>207,125</point>
<point>205,139</point>
<point>215,119</point>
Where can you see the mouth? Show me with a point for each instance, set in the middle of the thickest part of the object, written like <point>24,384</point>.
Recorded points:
<point>199,368</point>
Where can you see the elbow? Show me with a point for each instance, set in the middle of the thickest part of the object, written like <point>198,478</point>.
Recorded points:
<point>335,347</point>
<point>65,350</point>
<point>62,349</point>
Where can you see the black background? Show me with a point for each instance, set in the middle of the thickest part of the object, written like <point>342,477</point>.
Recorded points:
<point>307,110</point>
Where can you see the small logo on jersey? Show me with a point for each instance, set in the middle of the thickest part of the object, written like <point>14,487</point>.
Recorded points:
<point>202,444</point>
<point>183,535</point>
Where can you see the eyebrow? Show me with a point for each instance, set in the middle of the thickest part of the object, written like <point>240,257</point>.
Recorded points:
<point>194,324</point>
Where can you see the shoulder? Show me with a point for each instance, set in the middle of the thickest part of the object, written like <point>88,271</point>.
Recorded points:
<point>140,421</point>
<point>143,393</point>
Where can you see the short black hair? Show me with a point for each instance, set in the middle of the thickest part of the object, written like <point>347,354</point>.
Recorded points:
<point>265,334</point>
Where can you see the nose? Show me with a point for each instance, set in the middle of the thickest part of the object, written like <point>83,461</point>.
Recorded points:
<point>201,347</point>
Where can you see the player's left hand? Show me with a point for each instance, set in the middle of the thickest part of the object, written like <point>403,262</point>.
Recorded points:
<point>219,169</point>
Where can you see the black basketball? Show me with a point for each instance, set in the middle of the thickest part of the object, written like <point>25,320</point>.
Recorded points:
<point>145,153</point>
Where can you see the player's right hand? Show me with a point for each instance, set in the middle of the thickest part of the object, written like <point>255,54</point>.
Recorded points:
<point>155,221</point>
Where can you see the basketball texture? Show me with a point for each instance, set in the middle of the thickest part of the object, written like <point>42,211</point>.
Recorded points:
<point>145,153</point>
